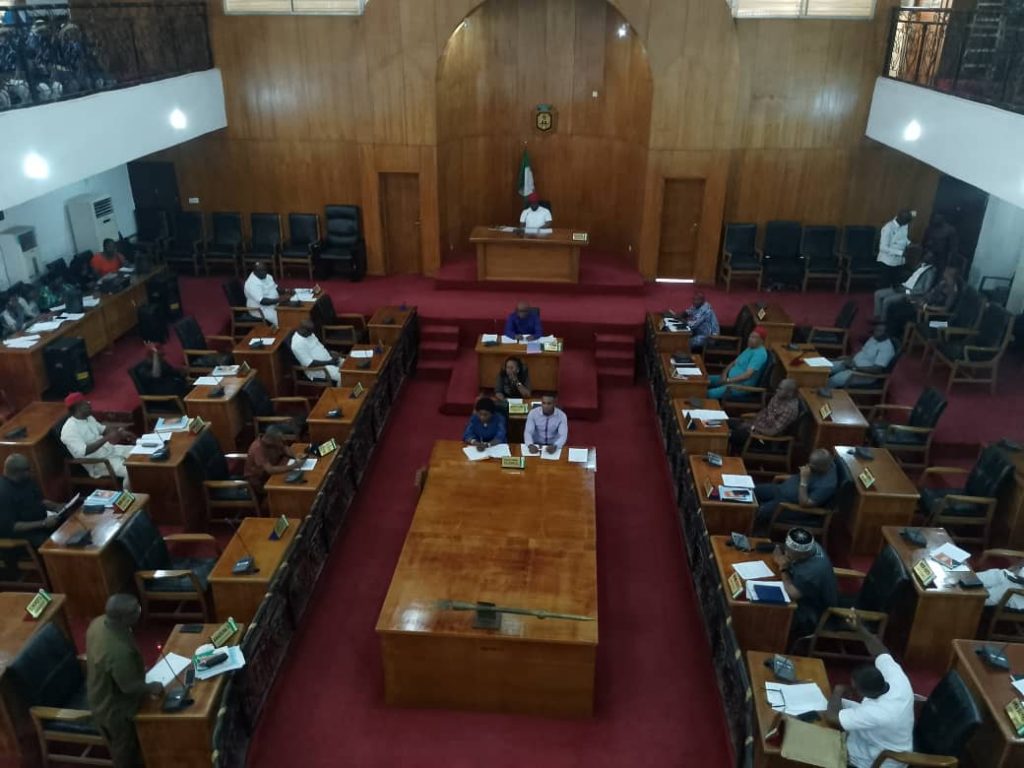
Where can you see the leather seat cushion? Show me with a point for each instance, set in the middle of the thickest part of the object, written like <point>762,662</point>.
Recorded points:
<point>931,497</point>
<point>84,727</point>
<point>201,567</point>
<point>741,261</point>
<point>880,436</point>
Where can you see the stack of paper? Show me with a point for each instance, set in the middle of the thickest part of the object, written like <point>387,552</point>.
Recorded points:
<point>207,381</point>
<point>45,325</point>
<point>818,362</point>
<point>684,372</point>
<point>225,370</point>
<point>359,354</point>
<point>102,497</point>
<point>752,594</point>
<point>22,342</point>
<point>167,668</point>
<point>90,301</point>
<point>171,425</point>
<point>492,452</point>
<point>509,340</point>
<point>580,455</point>
<point>672,325</point>
<point>264,340</point>
<point>951,557</point>
<point>304,294</point>
<point>489,338</point>
<point>547,340</point>
<point>737,481</point>
<point>795,699</point>
<point>754,569</point>
<point>706,414</point>
<point>147,445</point>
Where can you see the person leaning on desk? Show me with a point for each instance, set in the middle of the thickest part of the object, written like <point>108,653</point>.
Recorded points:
<point>486,427</point>
<point>547,427</point>
<point>513,381</point>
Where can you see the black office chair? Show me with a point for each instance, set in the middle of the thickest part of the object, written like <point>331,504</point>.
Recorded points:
<point>152,229</point>
<point>156,407</point>
<point>200,356</point>
<point>725,346</point>
<point>243,318</point>
<point>343,246</point>
<point>783,265</point>
<point>973,357</point>
<point>225,248</point>
<point>859,252</point>
<point>267,411</point>
<point>229,496</point>
<point>910,443</point>
<point>48,679</point>
<point>265,244</point>
<point>741,258</point>
<point>338,332</point>
<point>303,244</point>
<point>187,246</point>
<point>821,262</point>
<point>832,339</point>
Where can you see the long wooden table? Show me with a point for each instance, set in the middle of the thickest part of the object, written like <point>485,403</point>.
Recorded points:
<point>174,485</point>
<point>296,499</point>
<point>890,501</point>
<point>39,445</point>
<point>239,597</point>
<point>995,744</point>
<point>543,366</point>
<point>353,373</point>
<point>845,425</point>
<point>388,323</point>
<point>541,258</point>
<point>792,366</point>
<point>667,341</point>
<point>530,543</point>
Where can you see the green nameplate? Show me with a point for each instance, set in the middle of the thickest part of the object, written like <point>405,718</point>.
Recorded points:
<point>923,573</point>
<point>867,478</point>
<point>328,447</point>
<point>513,462</point>
<point>195,425</point>
<point>1015,711</point>
<point>124,501</point>
<point>358,389</point>
<point>553,346</point>
<point>735,585</point>
<point>518,409</point>
<point>279,528</point>
<point>38,603</point>
<point>223,633</point>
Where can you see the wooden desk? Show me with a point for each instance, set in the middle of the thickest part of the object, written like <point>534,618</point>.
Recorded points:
<point>290,317</point>
<point>185,738</point>
<point>1008,520</point>
<point>892,500</point>
<point>667,341</point>
<point>553,258</point>
<point>18,743</point>
<point>804,375</point>
<point>758,626</point>
<point>995,744</point>
<point>39,445</point>
<point>703,438</point>
<point>272,364</point>
<point>238,597</point>
<point>351,373</point>
<point>942,612</point>
<point>227,414</point>
<point>543,366</point>
<point>846,425</point>
<point>388,333</point>
<point>295,499</point>
<point>532,545</point>
<point>322,427</point>
<point>89,575</point>
<point>174,485</point>
<point>776,321</point>
<point>694,386</point>
<point>721,517</point>
<point>769,754</point>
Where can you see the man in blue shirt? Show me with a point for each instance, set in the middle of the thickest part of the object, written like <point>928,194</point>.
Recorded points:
<point>745,369</point>
<point>485,427</point>
<point>702,321</point>
<point>523,322</point>
<point>813,486</point>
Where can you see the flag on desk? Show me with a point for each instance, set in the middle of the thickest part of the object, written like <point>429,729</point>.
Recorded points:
<point>526,185</point>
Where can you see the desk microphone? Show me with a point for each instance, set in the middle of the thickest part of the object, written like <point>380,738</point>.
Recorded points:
<point>176,699</point>
<point>244,565</point>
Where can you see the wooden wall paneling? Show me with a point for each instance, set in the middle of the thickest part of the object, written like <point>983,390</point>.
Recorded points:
<point>419,70</point>
<point>385,69</point>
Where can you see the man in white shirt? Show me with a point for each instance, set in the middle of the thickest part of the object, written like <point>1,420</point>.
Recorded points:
<point>311,353</point>
<point>874,357</point>
<point>535,216</point>
<point>262,294</point>
<point>884,717</point>
<point>892,242</point>
<point>86,438</point>
<point>547,427</point>
<point>918,284</point>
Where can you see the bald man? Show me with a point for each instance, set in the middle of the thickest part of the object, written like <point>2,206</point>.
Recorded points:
<point>813,486</point>
<point>24,513</point>
<point>523,322</point>
<point>116,678</point>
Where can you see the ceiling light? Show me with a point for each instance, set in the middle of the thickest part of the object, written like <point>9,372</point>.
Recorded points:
<point>35,166</point>
<point>686,280</point>
<point>178,120</point>
<point>912,132</point>
<point>623,30</point>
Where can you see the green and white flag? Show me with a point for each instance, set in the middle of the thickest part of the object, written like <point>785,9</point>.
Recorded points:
<point>526,185</point>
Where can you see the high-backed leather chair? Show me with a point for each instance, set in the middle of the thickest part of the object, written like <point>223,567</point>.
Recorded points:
<point>338,332</point>
<point>726,345</point>
<point>200,357</point>
<point>187,246</point>
<point>265,409</point>
<point>741,258</point>
<point>225,248</point>
<point>781,249</point>
<point>265,242</point>
<point>858,249</point>
<point>152,229</point>
<point>821,262</point>
<point>343,245</point>
<point>832,340</point>
<point>909,443</point>
<point>243,318</point>
<point>154,407</point>
<point>973,357</point>
<point>303,242</point>
<point>228,496</point>
<point>48,678</point>
<point>961,321</point>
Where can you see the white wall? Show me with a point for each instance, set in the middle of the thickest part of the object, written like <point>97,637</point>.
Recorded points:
<point>1000,250</point>
<point>47,213</point>
<point>83,137</point>
<point>979,144</point>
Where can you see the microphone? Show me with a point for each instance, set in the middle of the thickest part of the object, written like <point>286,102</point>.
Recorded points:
<point>244,565</point>
<point>176,699</point>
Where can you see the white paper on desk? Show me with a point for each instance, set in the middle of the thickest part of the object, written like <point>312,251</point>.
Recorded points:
<point>207,381</point>
<point>22,342</point>
<point>688,372</point>
<point>359,354</point>
<point>264,340</point>
<point>488,338</point>
<point>58,308</point>
<point>72,315</point>
<point>147,445</point>
<point>474,454</point>
<point>754,569</point>
<point>579,455</point>
<point>795,699</point>
<point>1019,685</point>
<point>952,551</point>
<point>514,400</point>
<point>46,325</point>
<point>499,451</point>
<point>90,301</point>
<point>509,340</point>
<point>752,596</point>
<point>818,362</point>
<point>550,456</point>
<point>308,464</point>
<point>179,424</point>
<point>151,438</point>
<point>706,414</point>
<point>234,661</point>
<point>737,481</point>
<point>225,370</point>
<point>304,294</point>
<point>167,668</point>
<point>938,324</point>
<point>547,339</point>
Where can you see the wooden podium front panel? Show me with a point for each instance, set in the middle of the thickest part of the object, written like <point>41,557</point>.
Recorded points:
<point>532,545</point>
<point>553,258</point>
<point>543,366</point>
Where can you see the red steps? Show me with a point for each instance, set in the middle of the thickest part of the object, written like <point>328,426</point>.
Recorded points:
<point>439,347</point>
<point>615,355</point>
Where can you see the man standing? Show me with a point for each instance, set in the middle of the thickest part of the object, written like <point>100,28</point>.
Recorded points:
<point>24,513</point>
<point>917,285</point>
<point>116,678</point>
<point>815,484</point>
<point>107,261</point>
<point>311,353</point>
<point>535,216</point>
<point>774,419</point>
<point>262,294</point>
<point>809,579</point>
<point>745,369</point>
<point>892,242</point>
<point>702,321</point>
<point>485,427</point>
<point>268,455</point>
<point>874,357</point>
<point>86,438</point>
<point>547,427</point>
<point>523,322</point>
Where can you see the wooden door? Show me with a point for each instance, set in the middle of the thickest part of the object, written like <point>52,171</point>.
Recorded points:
<point>682,203</point>
<point>400,219</point>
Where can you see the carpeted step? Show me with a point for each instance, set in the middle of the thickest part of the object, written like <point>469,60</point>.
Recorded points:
<point>618,341</point>
<point>435,370</point>
<point>577,384</point>
<point>437,332</point>
<point>463,386</point>
<point>439,350</point>
<point>614,357</point>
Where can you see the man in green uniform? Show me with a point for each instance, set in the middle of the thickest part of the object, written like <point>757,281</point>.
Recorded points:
<point>117,678</point>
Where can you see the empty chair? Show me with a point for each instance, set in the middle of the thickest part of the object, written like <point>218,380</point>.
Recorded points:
<point>338,332</point>
<point>225,247</point>
<point>187,246</point>
<point>152,229</point>
<point>267,410</point>
<point>962,321</point>
<point>303,242</point>
<point>265,242</point>
<point>740,256</point>
<point>996,290</point>
<point>831,340</point>
<point>229,496</point>
<point>154,407</point>
<point>781,249</point>
<point>973,357</point>
<point>343,247</point>
<point>910,443</point>
<point>821,262</point>
<point>1004,621</point>
<point>859,252</point>
<point>200,356</point>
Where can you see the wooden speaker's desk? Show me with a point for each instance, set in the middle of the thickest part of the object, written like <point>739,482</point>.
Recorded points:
<point>758,626</point>
<point>690,386</point>
<point>239,597</point>
<point>531,544</point>
<point>995,744</point>
<point>667,341</point>
<point>226,414</point>
<point>702,438</point>
<point>792,366</point>
<point>892,499</point>
<point>296,499</point>
<point>271,363</point>
<point>18,743</point>
<point>942,612</point>
<point>776,322</point>
<point>322,427</point>
<point>183,738</point>
<point>845,425</point>
<point>353,371</point>
<point>174,485</point>
<point>39,445</point>
<point>89,575</point>
<point>388,323</point>
<point>543,365</point>
<point>524,256</point>
<point>721,517</point>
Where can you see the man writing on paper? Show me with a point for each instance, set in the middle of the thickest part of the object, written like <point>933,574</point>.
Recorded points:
<point>745,369</point>
<point>772,420</point>
<point>86,438</point>
<point>809,579</point>
<point>262,293</point>
<point>523,322</point>
<point>485,427</point>
<point>311,353</point>
<point>116,678</point>
<point>268,455</point>
<point>884,717</point>
<point>702,321</point>
<point>547,427</point>
<point>874,357</point>
<point>24,513</point>
<point>535,216</point>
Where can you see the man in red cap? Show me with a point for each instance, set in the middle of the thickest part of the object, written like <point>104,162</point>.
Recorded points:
<point>536,216</point>
<point>745,369</point>
<point>86,438</point>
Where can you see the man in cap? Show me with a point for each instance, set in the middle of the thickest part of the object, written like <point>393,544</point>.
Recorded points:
<point>809,579</point>
<point>523,322</point>
<point>745,369</point>
<point>116,678</point>
<point>87,438</point>
<point>485,427</point>
<point>535,215</point>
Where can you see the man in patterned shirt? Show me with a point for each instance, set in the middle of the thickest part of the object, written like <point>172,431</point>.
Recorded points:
<point>702,321</point>
<point>774,419</point>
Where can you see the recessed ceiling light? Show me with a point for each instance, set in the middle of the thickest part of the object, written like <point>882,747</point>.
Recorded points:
<point>623,30</point>
<point>35,166</point>
<point>178,120</point>
<point>912,132</point>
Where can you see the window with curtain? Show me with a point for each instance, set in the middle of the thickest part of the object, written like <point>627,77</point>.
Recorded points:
<point>795,9</point>
<point>351,7</point>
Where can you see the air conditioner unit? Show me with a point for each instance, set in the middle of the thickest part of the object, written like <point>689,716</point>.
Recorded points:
<point>92,221</point>
<point>20,253</point>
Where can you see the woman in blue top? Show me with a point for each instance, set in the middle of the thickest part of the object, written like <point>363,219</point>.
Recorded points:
<point>745,369</point>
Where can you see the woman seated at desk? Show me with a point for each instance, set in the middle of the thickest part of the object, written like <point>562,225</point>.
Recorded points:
<point>513,381</point>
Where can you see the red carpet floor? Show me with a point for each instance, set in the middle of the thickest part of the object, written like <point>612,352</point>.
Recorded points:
<point>656,699</point>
